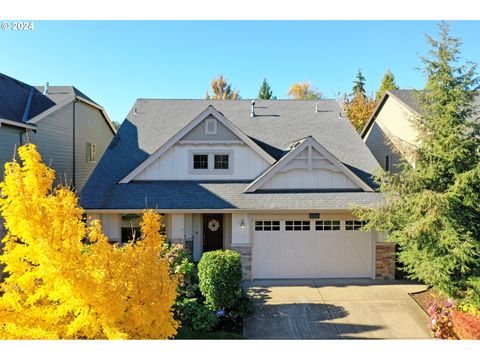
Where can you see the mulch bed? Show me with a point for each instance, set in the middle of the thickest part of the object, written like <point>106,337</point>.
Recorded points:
<point>427,298</point>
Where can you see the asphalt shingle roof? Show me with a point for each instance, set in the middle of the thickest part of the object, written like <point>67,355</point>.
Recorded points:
<point>278,123</point>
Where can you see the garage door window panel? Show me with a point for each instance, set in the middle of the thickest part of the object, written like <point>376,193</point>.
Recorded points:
<point>355,225</point>
<point>267,225</point>
<point>327,225</point>
<point>297,225</point>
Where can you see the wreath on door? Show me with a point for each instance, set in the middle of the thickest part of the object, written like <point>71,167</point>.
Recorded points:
<point>213,225</point>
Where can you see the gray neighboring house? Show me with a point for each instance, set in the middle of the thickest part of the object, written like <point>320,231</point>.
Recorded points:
<point>274,180</point>
<point>70,130</point>
<point>390,134</point>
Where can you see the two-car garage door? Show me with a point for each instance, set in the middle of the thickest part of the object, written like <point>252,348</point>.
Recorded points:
<point>311,249</point>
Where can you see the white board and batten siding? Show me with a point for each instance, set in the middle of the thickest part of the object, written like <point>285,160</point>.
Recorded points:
<point>111,224</point>
<point>309,171</point>
<point>174,164</point>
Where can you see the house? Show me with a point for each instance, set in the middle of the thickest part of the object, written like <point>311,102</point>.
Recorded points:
<point>389,133</point>
<point>274,180</point>
<point>71,131</point>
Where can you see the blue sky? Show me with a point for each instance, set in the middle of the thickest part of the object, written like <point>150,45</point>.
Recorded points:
<point>115,62</point>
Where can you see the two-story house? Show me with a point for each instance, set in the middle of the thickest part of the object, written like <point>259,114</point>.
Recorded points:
<point>390,133</point>
<point>71,131</point>
<point>275,180</point>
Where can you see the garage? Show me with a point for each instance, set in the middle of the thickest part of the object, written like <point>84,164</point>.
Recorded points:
<point>311,249</point>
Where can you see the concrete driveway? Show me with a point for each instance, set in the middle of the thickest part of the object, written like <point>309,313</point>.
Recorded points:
<point>334,309</point>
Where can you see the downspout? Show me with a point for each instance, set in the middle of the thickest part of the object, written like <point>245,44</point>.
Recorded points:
<point>74,141</point>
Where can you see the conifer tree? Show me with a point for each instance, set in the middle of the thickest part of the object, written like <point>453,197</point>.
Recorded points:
<point>388,83</point>
<point>265,92</point>
<point>432,210</point>
<point>359,84</point>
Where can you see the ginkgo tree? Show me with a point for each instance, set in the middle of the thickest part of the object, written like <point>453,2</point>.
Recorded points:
<point>65,281</point>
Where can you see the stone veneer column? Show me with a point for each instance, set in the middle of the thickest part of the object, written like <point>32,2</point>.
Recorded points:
<point>385,261</point>
<point>245,252</point>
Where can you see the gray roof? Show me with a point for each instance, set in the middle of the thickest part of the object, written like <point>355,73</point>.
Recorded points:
<point>14,98</point>
<point>276,125</point>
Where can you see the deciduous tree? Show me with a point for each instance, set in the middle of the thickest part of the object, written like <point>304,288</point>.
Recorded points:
<point>432,210</point>
<point>304,91</point>
<point>62,286</point>
<point>222,90</point>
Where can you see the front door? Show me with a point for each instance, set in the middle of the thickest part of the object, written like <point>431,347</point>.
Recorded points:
<point>212,232</point>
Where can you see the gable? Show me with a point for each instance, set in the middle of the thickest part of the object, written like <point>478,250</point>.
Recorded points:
<point>210,129</point>
<point>308,166</point>
<point>312,171</point>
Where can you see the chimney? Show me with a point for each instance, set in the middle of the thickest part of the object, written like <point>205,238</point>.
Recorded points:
<point>45,91</point>
<point>252,113</point>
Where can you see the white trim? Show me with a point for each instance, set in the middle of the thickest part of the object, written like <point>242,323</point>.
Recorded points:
<point>310,142</point>
<point>228,211</point>
<point>18,124</point>
<point>210,110</point>
<point>210,142</point>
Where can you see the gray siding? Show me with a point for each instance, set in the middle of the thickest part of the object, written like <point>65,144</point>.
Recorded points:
<point>378,143</point>
<point>9,140</point>
<point>54,140</point>
<point>198,132</point>
<point>91,127</point>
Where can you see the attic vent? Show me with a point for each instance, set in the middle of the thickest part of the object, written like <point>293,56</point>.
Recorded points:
<point>211,127</point>
<point>45,91</point>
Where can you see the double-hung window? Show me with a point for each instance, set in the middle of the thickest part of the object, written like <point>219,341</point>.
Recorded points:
<point>211,162</point>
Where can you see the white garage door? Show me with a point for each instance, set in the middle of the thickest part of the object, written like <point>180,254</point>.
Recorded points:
<point>311,249</point>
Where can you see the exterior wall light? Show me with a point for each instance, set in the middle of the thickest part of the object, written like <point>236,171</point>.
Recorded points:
<point>242,224</point>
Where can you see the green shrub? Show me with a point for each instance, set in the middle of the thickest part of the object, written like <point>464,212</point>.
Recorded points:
<point>195,316</point>
<point>220,275</point>
<point>180,263</point>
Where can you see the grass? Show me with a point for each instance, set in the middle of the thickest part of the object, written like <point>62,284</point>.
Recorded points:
<point>199,335</point>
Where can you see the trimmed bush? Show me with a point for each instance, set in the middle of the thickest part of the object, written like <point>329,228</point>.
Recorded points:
<point>220,275</point>
<point>195,316</point>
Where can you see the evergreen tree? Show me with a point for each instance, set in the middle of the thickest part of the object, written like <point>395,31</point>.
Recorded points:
<point>359,84</point>
<point>432,210</point>
<point>265,92</point>
<point>388,83</point>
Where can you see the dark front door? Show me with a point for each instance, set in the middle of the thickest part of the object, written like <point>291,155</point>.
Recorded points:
<point>212,232</point>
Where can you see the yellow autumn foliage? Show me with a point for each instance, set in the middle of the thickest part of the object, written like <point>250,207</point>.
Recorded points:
<point>61,286</point>
<point>358,109</point>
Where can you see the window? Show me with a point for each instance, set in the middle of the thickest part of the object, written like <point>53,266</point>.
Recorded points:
<point>354,225</point>
<point>130,227</point>
<point>387,163</point>
<point>267,225</point>
<point>91,152</point>
<point>200,161</point>
<point>297,225</point>
<point>327,225</point>
<point>211,126</point>
<point>221,161</point>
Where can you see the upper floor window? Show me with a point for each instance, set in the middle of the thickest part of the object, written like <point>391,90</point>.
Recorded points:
<point>200,161</point>
<point>91,152</point>
<point>215,162</point>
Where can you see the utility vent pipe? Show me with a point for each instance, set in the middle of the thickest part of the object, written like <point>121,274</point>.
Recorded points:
<point>45,91</point>
<point>252,113</point>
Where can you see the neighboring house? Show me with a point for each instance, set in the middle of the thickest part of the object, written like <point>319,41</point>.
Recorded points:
<point>274,181</point>
<point>390,134</point>
<point>70,130</point>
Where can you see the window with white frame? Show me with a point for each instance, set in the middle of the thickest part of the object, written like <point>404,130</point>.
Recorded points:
<point>91,152</point>
<point>297,225</point>
<point>267,225</point>
<point>354,225</point>
<point>327,225</point>
<point>211,162</point>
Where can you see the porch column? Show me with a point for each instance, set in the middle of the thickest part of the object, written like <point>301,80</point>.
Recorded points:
<point>241,242</point>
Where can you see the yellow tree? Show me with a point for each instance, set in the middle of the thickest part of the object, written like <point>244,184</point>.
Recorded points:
<point>304,91</point>
<point>63,286</point>
<point>222,90</point>
<point>358,108</point>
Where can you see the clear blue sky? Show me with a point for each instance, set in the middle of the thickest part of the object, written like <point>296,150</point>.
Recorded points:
<point>116,62</point>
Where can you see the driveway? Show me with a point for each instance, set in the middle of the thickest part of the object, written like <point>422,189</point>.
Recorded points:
<point>335,309</point>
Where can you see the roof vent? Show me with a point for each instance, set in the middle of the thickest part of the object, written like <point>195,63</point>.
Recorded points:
<point>252,112</point>
<point>45,91</point>
<point>135,112</point>
<point>316,107</point>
